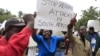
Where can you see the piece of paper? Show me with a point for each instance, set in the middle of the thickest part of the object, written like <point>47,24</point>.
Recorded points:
<point>53,15</point>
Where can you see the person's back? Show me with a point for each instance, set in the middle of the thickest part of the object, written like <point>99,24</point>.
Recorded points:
<point>15,46</point>
<point>16,37</point>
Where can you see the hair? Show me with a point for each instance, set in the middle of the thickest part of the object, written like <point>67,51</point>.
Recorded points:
<point>91,28</point>
<point>41,32</point>
<point>81,27</point>
<point>8,28</point>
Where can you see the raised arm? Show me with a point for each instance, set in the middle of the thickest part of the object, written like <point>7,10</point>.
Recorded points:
<point>19,42</point>
<point>69,35</point>
<point>29,20</point>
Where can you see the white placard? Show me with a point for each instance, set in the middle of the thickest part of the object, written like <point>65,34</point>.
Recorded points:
<point>53,15</point>
<point>95,24</point>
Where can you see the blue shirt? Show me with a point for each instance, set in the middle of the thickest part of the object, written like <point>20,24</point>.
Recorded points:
<point>44,49</point>
<point>93,41</point>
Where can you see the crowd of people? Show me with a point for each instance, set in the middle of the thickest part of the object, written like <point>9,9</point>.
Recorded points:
<point>14,39</point>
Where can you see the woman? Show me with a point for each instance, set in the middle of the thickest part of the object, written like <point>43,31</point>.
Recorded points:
<point>47,43</point>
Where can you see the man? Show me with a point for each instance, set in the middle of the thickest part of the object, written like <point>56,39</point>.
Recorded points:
<point>80,46</point>
<point>16,37</point>
<point>94,39</point>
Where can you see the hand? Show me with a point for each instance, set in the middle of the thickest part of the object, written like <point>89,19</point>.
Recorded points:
<point>35,14</point>
<point>29,18</point>
<point>72,22</point>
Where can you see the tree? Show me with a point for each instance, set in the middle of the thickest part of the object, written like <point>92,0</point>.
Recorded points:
<point>91,13</point>
<point>1,11</point>
<point>5,14</point>
<point>20,13</point>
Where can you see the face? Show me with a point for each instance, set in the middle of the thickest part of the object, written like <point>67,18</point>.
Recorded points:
<point>82,31</point>
<point>91,31</point>
<point>46,34</point>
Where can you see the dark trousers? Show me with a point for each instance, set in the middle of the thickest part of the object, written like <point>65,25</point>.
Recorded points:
<point>93,54</point>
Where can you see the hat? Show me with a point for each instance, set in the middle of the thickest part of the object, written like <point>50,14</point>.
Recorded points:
<point>14,22</point>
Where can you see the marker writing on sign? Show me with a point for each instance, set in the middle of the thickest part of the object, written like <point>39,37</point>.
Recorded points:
<point>44,23</point>
<point>61,25</point>
<point>49,2</point>
<point>56,4</point>
<point>59,13</point>
<point>65,6</point>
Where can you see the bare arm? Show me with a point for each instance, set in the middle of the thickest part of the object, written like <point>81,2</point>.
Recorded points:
<point>70,35</point>
<point>29,20</point>
<point>70,28</point>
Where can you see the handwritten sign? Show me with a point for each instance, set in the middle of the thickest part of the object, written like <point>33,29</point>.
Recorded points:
<point>53,15</point>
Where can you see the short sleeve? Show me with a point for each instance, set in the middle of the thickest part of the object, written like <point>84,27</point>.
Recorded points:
<point>37,38</point>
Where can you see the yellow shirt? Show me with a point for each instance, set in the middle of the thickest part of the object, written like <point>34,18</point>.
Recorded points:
<point>78,48</point>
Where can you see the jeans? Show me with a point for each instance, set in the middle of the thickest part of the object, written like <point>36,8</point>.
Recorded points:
<point>61,53</point>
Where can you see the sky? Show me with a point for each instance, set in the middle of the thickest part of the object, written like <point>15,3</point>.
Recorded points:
<point>29,6</point>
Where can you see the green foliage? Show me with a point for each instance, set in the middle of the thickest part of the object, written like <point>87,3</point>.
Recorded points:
<point>90,14</point>
<point>5,14</point>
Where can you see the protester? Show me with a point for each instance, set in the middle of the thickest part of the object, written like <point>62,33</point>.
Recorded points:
<point>60,50</point>
<point>16,37</point>
<point>80,46</point>
<point>94,40</point>
<point>47,43</point>
<point>67,44</point>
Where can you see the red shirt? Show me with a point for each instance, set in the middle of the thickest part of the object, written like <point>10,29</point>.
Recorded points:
<point>16,44</point>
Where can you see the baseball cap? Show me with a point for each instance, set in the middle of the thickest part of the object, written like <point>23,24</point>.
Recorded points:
<point>14,22</point>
